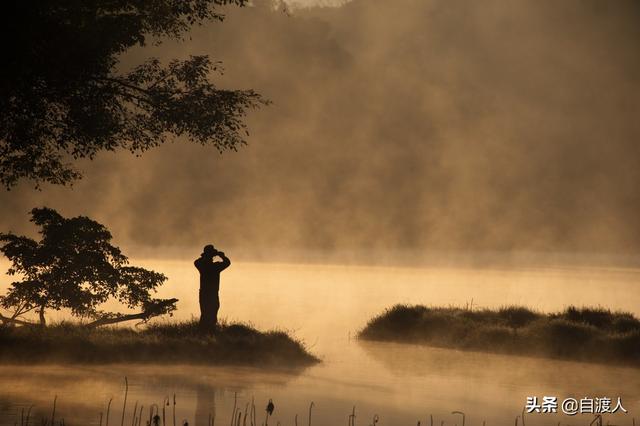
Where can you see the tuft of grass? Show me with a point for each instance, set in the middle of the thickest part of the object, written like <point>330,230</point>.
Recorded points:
<point>587,334</point>
<point>175,342</point>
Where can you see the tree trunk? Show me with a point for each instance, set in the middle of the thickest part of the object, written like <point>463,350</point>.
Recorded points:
<point>43,321</point>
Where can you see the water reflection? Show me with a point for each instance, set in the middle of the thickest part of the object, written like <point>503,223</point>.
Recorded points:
<point>493,385</point>
<point>83,393</point>
<point>205,405</point>
<point>325,306</point>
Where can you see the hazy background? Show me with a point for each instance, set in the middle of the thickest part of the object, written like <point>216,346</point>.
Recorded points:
<point>405,126</point>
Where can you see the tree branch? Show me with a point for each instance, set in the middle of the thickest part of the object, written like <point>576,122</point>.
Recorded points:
<point>155,310</point>
<point>10,320</point>
<point>122,83</point>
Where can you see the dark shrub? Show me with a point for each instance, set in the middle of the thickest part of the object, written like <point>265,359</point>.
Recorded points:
<point>405,316</point>
<point>490,338</point>
<point>597,317</point>
<point>625,323</point>
<point>560,337</point>
<point>399,321</point>
<point>626,346</point>
<point>517,316</point>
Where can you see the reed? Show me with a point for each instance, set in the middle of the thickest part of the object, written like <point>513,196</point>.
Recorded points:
<point>154,418</point>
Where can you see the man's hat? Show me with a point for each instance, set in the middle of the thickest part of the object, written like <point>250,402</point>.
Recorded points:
<point>209,249</point>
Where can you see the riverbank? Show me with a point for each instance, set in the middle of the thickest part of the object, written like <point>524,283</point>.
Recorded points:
<point>183,342</point>
<point>583,334</point>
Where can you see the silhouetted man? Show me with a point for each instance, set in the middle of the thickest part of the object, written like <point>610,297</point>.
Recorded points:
<point>210,284</point>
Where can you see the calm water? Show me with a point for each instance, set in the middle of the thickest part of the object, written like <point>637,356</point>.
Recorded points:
<point>325,306</point>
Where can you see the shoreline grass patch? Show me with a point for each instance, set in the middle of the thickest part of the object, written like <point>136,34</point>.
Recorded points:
<point>583,334</point>
<point>173,342</point>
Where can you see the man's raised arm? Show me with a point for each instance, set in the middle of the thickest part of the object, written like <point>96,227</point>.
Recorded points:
<point>225,261</point>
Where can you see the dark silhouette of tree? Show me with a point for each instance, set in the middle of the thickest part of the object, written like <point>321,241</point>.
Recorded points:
<point>62,97</point>
<point>74,266</point>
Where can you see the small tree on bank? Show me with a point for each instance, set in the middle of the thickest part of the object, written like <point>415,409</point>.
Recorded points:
<point>75,266</point>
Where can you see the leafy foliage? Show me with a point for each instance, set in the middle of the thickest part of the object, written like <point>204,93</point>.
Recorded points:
<point>73,266</point>
<point>62,97</point>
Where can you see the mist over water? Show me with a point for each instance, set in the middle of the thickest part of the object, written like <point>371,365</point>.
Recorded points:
<point>404,126</point>
<point>325,305</point>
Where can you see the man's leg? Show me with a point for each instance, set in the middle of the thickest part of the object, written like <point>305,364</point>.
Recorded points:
<point>215,306</point>
<point>206,309</point>
<point>203,308</point>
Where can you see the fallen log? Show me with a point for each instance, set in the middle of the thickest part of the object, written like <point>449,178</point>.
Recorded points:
<point>155,310</point>
<point>16,321</point>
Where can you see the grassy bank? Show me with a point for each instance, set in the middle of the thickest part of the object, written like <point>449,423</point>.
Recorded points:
<point>587,334</point>
<point>159,343</point>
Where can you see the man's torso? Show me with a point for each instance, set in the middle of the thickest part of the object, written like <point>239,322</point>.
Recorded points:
<point>209,274</point>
